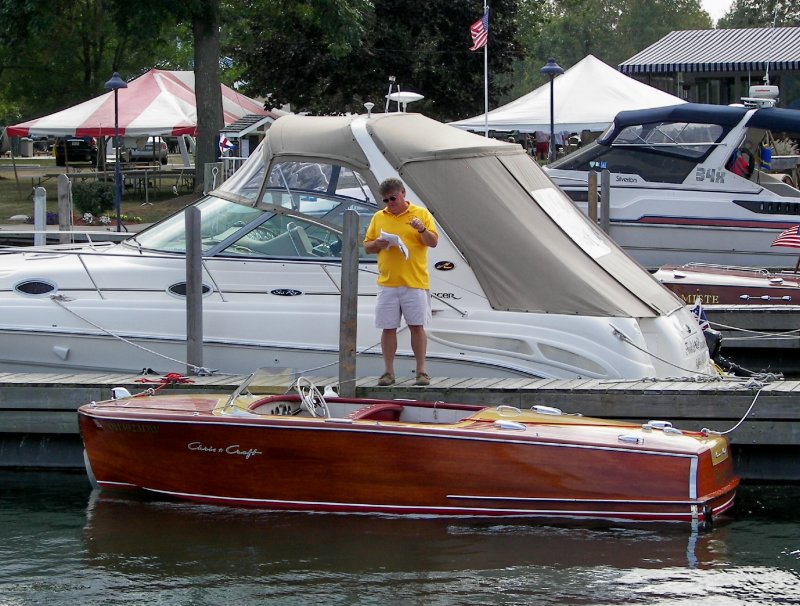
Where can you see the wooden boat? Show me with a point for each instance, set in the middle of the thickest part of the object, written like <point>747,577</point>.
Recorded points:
<point>305,451</point>
<point>729,285</point>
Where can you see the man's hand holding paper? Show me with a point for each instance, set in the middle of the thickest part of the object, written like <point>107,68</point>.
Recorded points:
<point>394,240</point>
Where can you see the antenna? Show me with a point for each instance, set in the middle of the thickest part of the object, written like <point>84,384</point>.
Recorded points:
<point>771,40</point>
<point>391,85</point>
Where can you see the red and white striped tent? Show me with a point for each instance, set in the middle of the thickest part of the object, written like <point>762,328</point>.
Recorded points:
<point>157,103</point>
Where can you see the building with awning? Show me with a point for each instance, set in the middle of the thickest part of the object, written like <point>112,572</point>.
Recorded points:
<point>719,65</point>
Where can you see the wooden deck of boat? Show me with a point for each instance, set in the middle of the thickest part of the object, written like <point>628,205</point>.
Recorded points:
<point>38,422</point>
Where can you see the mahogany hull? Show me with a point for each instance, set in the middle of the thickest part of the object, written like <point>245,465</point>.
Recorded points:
<point>474,467</point>
<point>721,285</point>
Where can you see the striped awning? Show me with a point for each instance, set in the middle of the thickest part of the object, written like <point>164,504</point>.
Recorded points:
<point>719,50</point>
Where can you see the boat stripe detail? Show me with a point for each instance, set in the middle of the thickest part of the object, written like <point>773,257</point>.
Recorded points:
<point>706,222</point>
<point>557,500</point>
<point>426,509</point>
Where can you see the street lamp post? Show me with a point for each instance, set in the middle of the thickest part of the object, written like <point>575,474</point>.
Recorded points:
<point>115,84</point>
<point>552,69</point>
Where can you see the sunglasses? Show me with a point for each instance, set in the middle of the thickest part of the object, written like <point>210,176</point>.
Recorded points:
<point>389,199</point>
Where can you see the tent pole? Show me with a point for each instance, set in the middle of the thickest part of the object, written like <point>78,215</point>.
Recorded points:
<point>13,160</point>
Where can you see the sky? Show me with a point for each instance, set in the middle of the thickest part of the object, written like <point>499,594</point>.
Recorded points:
<point>716,8</point>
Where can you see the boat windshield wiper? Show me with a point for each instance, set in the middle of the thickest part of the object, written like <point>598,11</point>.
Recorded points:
<point>283,178</point>
<point>289,191</point>
<point>138,244</point>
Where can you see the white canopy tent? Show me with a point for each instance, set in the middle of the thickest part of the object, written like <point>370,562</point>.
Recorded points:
<point>586,97</point>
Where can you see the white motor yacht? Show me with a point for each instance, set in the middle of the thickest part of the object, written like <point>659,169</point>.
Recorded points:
<point>522,284</point>
<point>688,183</point>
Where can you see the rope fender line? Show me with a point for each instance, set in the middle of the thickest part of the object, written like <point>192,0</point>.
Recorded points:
<point>171,378</point>
<point>760,386</point>
<point>198,370</point>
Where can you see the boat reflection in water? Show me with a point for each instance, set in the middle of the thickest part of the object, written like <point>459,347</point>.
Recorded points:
<point>128,533</point>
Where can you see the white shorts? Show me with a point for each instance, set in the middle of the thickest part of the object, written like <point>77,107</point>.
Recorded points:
<point>414,304</point>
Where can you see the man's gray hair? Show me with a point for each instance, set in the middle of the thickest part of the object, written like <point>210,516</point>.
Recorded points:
<point>391,184</point>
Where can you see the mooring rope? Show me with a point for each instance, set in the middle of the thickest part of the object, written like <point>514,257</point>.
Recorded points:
<point>757,334</point>
<point>701,378</point>
<point>706,431</point>
<point>197,370</point>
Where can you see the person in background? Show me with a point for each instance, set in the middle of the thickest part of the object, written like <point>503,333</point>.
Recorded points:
<point>403,283</point>
<point>542,145</point>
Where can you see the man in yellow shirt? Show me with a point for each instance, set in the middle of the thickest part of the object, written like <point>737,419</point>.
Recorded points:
<point>403,281</point>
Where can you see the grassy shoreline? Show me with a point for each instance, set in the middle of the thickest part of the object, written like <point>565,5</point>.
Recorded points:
<point>16,191</point>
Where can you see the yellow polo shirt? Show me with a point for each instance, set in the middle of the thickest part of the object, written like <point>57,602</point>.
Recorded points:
<point>393,268</point>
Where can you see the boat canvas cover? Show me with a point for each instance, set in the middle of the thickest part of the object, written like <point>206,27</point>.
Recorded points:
<point>156,103</point>
<point>308,138</point>
<point>768,118</point>
<point>531,249</point>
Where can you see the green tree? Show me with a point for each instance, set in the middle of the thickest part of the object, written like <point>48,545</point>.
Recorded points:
<point>54,54</point>
<point>612,31</point>
<point>294,52</point>
<point>761,13</point>
<point>205,18</point>
<point>331,56</point>
<point>71,48</point>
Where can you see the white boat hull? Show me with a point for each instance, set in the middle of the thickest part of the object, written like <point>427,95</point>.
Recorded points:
<point>521,284</point>
<point>676,193</point>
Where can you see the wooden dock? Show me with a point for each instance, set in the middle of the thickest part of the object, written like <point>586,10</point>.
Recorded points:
<point>759,337</point>
<point>39,429</point>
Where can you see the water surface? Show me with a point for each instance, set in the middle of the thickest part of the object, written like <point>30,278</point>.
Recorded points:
<point>62,543</point>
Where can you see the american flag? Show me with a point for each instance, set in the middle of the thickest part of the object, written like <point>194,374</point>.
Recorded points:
<point>789,238</point>
<point>480,31</point>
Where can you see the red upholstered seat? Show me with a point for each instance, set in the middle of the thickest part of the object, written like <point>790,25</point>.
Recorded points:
<point>382,411</point>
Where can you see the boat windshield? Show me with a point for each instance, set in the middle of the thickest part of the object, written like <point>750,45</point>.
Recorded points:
<point>661,152</point>
<point>300,215</point>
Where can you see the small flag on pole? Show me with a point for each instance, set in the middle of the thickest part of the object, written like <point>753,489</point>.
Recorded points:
<point>225,144</point>
<point>789,238</point>
<point>700,314</point>
<point>480,31</point>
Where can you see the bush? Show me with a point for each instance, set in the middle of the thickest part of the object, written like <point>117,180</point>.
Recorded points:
<point>95,197</point>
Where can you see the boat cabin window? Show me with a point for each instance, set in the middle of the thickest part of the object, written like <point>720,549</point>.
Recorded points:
<point>287,236</point>
<point>300,215</point>
<point>659,152</point>
<point>246,181</point>
<point>298,178</point>
<point>218,219</point>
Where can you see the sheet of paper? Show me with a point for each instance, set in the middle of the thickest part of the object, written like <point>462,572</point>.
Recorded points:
<point>394,240</point>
